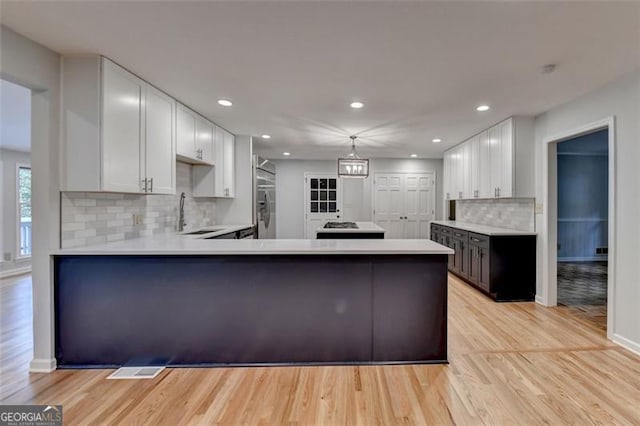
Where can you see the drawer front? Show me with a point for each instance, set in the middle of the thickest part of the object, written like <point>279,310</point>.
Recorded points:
<point>445,230</point>
<point>459,234</point>
<point>479,240</point>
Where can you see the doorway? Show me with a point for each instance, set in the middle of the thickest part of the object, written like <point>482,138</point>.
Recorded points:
<point>15,179</point>
<point>322,201</point>
<point>582,200</point>
<point>550,236</point>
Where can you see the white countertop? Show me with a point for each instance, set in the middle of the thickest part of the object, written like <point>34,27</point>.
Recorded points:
<point>362,227</point>
<point>481,229</point>
<point>175,244</point>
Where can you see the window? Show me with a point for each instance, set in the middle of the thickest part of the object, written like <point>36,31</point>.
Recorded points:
<point>323,197</point>
<point>24,210</point>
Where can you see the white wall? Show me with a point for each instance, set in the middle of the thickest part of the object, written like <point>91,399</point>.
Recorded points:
<point>620,99</point>
<point>239,210</point>
<point>9,214</point>
<point>27,63</point>
<point>290,188</point>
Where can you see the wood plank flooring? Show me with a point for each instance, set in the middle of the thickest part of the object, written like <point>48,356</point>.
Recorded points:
<point>510,363</point>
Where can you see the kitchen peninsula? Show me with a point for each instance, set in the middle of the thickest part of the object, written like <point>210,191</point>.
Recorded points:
<point>179,300</point>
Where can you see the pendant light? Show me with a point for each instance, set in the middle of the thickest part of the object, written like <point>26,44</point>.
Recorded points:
<point>353,166</point>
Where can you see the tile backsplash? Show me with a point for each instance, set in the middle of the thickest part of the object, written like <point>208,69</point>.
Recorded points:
<point>512,213</point>
<point>95,217</point>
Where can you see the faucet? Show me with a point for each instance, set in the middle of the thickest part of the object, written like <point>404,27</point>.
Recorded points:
<point>181,223</point>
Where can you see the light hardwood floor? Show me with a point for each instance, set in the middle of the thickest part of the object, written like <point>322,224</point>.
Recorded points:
<point>511,363</point>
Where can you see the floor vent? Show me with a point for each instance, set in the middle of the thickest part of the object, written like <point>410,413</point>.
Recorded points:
<point>136,373</point>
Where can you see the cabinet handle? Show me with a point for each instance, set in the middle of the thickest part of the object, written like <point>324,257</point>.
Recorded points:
<point>498,191</point>
<point>143,185</point>
<point>495,192</point>
<point>459,194</point>
<point>151,185</point>
<point>475,193</point>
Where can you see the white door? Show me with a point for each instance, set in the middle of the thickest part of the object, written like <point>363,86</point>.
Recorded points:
<point>419,204</point>
<point>159,146</point>
<point>122,130</point>
<point>388,211</point>
<point>186,132</point>
<point>404,203</point>
<point>322,201</point>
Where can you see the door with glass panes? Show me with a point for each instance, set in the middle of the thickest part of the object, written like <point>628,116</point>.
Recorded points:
<point>323,201</point>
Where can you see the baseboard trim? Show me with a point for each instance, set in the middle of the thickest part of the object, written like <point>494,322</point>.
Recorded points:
<point>626,343</point>
<point>14,272</point>
<point>540,300</point>
<point>583,259</point>
<point>42,365</point>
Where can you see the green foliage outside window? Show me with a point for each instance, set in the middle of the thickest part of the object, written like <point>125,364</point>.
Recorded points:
<point>24,188</point>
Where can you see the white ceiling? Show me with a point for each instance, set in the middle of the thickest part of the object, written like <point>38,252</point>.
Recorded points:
<point>15,117</point>
<point>292,68</point>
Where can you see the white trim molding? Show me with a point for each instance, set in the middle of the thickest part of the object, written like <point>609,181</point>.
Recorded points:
<point>626,343</point>
<point>549,229</point>
<point>42,365</point>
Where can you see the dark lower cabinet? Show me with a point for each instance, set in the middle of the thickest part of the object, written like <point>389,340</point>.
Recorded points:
<point>503,267</point>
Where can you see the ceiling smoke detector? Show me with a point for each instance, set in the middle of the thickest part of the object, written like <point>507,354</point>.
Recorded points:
<point>548,69</point>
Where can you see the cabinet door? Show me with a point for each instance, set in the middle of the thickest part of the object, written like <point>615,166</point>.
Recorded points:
<point>484,274</point>
<point>229,164</point>
<point>474,167</point>
<point>496,162</point>
<point>505,189</point>
<point>186,133</point>
<point>446,178</point>
<point>220,164</point>
<point>484,165</point>
<point>204,140</point>
<point>467,189</point>
<point>122,129</point>
<point>474,264</point>
<point>160,164</point>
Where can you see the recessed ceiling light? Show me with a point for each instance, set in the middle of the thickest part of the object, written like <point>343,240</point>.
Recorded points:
<point>436,140</point>
<point>356,105</point>
<point>266,137</point>
<point>286,154</point>
<point>483,108</point>
<point>414,155</point>
<point>225,102</point>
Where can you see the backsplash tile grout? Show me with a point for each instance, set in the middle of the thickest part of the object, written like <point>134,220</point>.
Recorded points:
<point>93,217</point>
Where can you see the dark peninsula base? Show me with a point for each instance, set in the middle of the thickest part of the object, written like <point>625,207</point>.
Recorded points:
<point>250,309</point>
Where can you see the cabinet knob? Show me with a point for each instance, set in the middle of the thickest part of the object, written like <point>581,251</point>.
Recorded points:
<point>151,185</point>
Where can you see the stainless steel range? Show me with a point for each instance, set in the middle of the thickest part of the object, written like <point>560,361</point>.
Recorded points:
<point>341,225</point>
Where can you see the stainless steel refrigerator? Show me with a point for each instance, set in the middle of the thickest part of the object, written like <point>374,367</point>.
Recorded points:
<point>264,190</point>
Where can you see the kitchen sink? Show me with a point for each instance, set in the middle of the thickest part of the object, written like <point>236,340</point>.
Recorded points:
<point>203,231</point>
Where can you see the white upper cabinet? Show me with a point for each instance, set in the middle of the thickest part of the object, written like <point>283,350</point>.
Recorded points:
<point>219,180</point>
<point>118,131</point>
<point>204,140</point>
<point>229,164</point>
<point>159,146</point>
<point>122,130</point>
<point>496,163</point>
<point>195,137</point>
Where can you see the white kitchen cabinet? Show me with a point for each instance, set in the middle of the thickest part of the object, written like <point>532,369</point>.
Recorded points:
<point>159,142</point>
<point>496,163</point>
<point>219,180</point>
<point>117,130</point>
<point>195,142</point>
